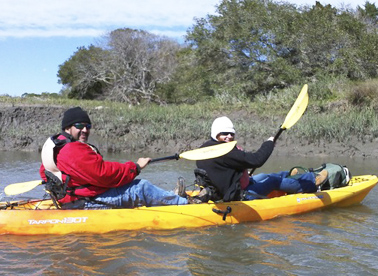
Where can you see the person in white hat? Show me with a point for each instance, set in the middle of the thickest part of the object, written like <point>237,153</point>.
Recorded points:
<point>228,176</point>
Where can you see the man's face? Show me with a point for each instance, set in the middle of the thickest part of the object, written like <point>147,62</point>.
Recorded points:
<point>80,131</point>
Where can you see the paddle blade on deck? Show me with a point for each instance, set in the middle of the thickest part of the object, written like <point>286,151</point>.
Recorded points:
<point>208,152</point>
<point>23,187</point>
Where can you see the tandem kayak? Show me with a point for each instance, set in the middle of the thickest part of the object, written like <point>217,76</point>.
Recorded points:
<point>36,217</point>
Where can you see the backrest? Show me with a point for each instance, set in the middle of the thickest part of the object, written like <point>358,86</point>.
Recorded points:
<point>47,156</point>
<point>202,178</point>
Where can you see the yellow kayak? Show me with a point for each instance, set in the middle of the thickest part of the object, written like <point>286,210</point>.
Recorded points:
<point>40,216</point>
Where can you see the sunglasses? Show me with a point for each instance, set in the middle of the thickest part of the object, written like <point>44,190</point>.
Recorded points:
<point>81,126</point>
<point>227,133</point>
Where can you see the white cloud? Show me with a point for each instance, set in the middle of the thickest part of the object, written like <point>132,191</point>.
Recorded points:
<point>44,18</point>
<point>50,32</point>
<point>91,18</point>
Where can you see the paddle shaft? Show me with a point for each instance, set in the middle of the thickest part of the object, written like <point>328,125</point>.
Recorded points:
<point>172,157</point>
<point>278,134</point>
<point>197,154</point>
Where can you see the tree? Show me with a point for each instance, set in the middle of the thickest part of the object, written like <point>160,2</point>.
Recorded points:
<point>80,74</point>
<point>254,46</point>
<point>139,61</point>
<point>239,49</point>
<point>127,69</point>
<point>369,13</point>
<point>331,42</point>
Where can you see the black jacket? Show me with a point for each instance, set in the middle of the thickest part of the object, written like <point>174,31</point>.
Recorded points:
<point>225,171</point>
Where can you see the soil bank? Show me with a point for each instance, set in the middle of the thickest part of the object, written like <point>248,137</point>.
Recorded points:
<point>26,127</point>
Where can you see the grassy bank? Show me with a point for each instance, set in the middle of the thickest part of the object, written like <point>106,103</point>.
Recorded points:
<point>336,112</point>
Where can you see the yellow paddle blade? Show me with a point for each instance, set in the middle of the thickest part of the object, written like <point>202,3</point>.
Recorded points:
<point>297,109</point>
<point>208,152</point>
<point>23,187</point>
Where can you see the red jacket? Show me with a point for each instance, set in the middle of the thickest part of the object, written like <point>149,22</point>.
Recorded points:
<point>85,166</point>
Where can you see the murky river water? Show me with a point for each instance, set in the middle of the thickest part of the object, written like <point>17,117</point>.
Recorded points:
<point>338,241</point>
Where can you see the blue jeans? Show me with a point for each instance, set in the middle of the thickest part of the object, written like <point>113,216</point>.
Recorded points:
<point>140,192</point>
<point>263,184</point>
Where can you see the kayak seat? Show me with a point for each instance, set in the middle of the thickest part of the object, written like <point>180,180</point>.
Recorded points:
<point>207,189</point>
<point>54,187</point>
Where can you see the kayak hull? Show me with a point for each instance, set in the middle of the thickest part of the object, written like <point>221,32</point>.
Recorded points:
<point>41,217</point>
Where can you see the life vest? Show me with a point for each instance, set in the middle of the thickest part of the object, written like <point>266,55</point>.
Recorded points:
<point>54,185</point>
<point>48,153</point>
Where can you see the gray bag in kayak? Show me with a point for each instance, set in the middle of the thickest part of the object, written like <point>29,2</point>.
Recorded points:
<point>338,175</point>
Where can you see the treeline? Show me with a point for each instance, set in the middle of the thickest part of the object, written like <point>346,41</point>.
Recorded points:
<point>247,48</point>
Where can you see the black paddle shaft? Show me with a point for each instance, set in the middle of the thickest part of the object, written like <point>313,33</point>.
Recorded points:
<point>278,134</point>
<point>172,157</point>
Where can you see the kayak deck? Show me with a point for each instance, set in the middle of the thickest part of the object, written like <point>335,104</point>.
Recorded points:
<point>41,216</point>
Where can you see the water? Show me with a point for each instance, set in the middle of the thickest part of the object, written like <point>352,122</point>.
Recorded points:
<point>338,241</point>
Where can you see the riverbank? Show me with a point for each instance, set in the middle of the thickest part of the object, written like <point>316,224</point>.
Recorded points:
<point>25,127</point>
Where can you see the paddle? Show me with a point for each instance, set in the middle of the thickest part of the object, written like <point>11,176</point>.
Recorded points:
<point>23,187</point>
<point>294,114</point>
<point>201,153</point>
<point>197,154</point>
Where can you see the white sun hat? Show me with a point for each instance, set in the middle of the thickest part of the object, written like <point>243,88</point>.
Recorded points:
<point>221,124</point>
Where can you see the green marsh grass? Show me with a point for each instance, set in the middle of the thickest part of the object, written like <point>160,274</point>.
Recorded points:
<point>340,126</point>
<point>333,114</point>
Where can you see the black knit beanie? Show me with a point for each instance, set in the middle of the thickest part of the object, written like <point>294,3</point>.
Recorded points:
<point>74,115</point>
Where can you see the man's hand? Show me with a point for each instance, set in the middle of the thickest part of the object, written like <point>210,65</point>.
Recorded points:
<point>143,161</point>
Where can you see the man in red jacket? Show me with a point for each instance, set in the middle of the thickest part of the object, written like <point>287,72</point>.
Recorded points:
<point>91,181</point>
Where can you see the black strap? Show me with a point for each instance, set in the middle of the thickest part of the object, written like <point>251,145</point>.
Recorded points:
<point>59,142</point>
<point>71,190</point>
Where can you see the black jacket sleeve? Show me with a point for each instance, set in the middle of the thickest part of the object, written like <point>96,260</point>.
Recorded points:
<point>241,160</point>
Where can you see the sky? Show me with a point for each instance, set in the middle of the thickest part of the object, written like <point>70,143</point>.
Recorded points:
<point>36,36</point>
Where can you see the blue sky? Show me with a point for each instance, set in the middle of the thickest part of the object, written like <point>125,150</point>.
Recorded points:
<point>36,36</point>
